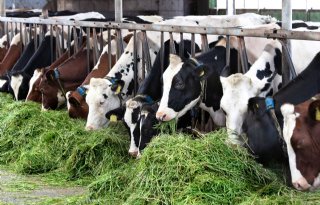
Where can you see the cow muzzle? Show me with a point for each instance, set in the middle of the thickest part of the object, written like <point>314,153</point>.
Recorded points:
<point>301,184</point>
<point>134,154</point>
<point>162,116</point>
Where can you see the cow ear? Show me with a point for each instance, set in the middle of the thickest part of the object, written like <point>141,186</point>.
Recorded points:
<point>201,71</point>
<point>314,110</point>
<point>116,114</point>
<point>50,75</point>
<point>74,101</point>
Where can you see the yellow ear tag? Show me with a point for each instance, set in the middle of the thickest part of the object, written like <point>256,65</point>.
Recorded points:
<point>113,118</point>
<point>317,114</point>
<point>257,105</point>
<point>118,90</point>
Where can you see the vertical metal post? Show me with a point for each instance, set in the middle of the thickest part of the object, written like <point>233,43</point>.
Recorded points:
<point>135,64</point>
<point>88,49</point>
<point>230,11</point>
<point>193,46</point>
<point>181,46</point>
<point>2,13</point>
<point>162,51</point>
<point>286,24</point>
<point>172,45</point>
<point>231,7</point>
<point>118,11</point>
<point>109,48</point>
<point>69,41</point>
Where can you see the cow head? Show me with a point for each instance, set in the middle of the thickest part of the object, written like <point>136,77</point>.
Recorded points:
<point>76,103</point>
<point>239,87</point>
<point>34,93</point>
<point>52,97</point>
<point>301,132</point>
<point>181,87</point>
<point>103,95</point>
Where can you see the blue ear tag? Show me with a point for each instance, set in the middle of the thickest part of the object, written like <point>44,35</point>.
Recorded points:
<point>56,73</point>
<point>81,91</point>
<point>149,99</point>
<point>269,103</point>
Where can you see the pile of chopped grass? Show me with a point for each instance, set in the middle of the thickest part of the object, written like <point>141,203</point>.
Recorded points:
<point>174,168</point>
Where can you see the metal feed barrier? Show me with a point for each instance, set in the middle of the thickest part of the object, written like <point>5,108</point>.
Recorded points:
<point>14,25</point>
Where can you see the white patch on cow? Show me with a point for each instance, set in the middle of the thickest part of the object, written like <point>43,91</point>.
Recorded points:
<point>68,96</point>
<point>152,18</point>
<point>130,105</point>
<point>2,82</point>
<point>43,108</point>
<point>239,88</point>
<point>3,40</point>
<point>216,58</point>
<point>316,183</point>
<point>289,123</point>
<point>61,98</point>
<point>80,16</point>
<point>15,40</point>
<point>15,84</point>
<point>36,75</point>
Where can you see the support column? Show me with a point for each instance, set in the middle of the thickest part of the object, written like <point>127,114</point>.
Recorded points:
<point>286,24</point>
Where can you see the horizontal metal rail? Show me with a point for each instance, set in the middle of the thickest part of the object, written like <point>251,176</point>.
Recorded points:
<point>249,32</point>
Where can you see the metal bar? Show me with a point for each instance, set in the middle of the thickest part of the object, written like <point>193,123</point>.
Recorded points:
<point>101,41</point>
<point>109,48</point>
<point>288,59</point>
<point>231,7</point>
<point>51,41</point>
<point>75,40</point>
<point>135,57</point>
<point>193,46</point>
<point>227,50</point>
<point>58,43</point>
<point>62,38</point>
<point>95,46</point>
<point>88,48</point>
<point>11,32</point>
<point>162,52</point>
<point>81,36</point>
<point>275,33</point>
<point>286,14</point>
<point>26,39</point>
<point>35,37</point>
<point>146,51</point>
<point>118,10</point>
<point>181,46</point>
<point>243,55</point>
<point>204,43</point>
<point>69,41</point>
<point>172,46</point>
<point>119,43</point>
<point>143,61</point>
<point>6,26</point>
<point>21,37</point>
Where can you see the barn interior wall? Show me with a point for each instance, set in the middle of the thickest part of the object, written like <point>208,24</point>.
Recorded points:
<point>166,8</point>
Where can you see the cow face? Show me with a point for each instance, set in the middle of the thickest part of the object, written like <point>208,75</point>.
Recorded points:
<point>102,96</point>
<point>52,97</point>
<point>181,89</point>
<point>301,132</point>
<point>34,93</point>
<point>239,87</point>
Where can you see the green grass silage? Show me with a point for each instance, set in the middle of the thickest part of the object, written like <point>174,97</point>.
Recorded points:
<point>174,169</point>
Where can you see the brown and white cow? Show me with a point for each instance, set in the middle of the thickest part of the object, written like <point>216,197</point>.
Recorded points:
<point>34,93</point>
<point>3,46</point>
<point>76,101</point>
<point>68,76</point>
<point>301,132</point>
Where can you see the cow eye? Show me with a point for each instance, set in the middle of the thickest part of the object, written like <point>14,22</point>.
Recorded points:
<point>101,102</point>
<point>178,83</point>
<point>105,96</point>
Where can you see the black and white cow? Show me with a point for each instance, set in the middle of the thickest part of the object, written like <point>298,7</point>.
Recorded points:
<point>117,87</point>
<point>149,92</point>
<point>263,136</point>
<point>239,88</point>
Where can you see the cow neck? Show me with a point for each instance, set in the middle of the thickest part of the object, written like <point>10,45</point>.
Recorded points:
<point>271,108</point>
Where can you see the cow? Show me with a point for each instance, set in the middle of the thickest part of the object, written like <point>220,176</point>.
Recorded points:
<point>149,91</point>
<point>183,86</point>
<point>34,93</point>
<point>19,80</point>
<point>301,129</point>
<point>19,65</point>
<point>13,54</point>
<point>263,129</point>
<point>109,93</point>
<point>238,89</point>
<point>76,104</point>
<point>262,79</point>
<point>68,76</point>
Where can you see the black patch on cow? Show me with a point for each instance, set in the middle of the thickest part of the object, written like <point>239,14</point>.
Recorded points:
<point>130,88</point>
<point>118,75</point>
<point>138,60</point>
<point>135,115</point>
<point>197,22</point>
<point>121,70</point>
<point>136,19</point>
<point>278,61</point>
<point>279,86</point>
<point>270,93</point>
<point>265,72</point>
<point>266,87</point>
<point>155,52</point>
<point>127,52</point>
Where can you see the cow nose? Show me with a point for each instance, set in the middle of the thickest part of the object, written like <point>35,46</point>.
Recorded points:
<point>134,153</point>
<point>89,127</point>
<point>301,184</point>
<point>161,116</point>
